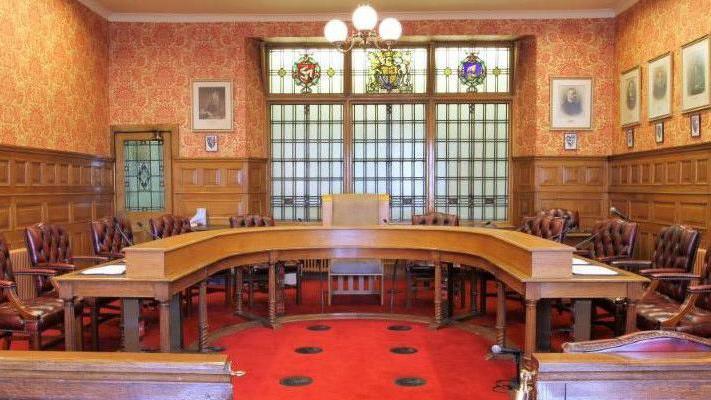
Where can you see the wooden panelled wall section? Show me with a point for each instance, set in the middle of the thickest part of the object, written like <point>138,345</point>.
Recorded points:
<point>664,187</point>
<point>577,183</point>
<point>65,188</point>
<point>225,187</point>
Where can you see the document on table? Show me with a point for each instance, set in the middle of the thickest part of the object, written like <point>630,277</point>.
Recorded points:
<point>111,269</point>
<point>583,267</point>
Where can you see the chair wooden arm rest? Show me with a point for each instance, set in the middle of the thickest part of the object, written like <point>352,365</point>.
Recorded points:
<point>632,265</point>
<point>94,259</point>
<point>7,284</point>
<point>59,267</point>
<point>674,276</point>
<point>587,253</point>
<point>654,271</point>
<point>611,259</point>
<point>699,289</point>
<point>9,289</point>
<point>36,272</point>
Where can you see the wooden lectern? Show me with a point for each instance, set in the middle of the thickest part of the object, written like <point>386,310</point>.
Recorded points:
<point>355,276</point>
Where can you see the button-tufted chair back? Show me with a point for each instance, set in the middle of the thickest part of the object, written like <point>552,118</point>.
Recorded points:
<point>705,300</point>
<point>675,247</point>
<point>250,220</point>
<point>615,238</point>
<point>5,263</point>
<point>47,243</point>
<point>544,226</point>
<point>436,218</point>
<point>169,225</point>
<point>106,240</point>
<point>572,218</point>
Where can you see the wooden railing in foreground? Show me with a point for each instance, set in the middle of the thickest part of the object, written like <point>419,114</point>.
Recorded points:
<point>45,375</point>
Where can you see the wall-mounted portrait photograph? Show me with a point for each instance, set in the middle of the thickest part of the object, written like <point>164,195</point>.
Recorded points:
<point>695,125</point>
<point>659,87</point>
<point>570,141</point>
<point>659,132</point>
<point>629,132</point>
<point>212,105</point>
<point>211,143</point>
<point>696,92</point>
<point>630,97</point>
<point>571,103</point>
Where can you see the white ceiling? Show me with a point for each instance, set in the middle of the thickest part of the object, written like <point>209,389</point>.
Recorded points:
<point>406,9</point>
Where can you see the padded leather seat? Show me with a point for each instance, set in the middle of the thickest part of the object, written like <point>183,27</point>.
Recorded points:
<point>169,225</point>
<point>106,240</point>
<point>571,217</point>
<point>544,226</point>
<point>46,311</point>
<point>613,239</point>
<point>658,307</point>
<point>251,220</point>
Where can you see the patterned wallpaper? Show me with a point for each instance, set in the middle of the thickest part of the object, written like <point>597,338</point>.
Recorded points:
<point>54,69</point>
<point>151,66</point>
<point>649,29</point>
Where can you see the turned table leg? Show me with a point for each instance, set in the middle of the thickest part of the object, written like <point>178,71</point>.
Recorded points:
<point>500,314</point>
<point>202,317</point>
<point>530,339</point>
<point>70,335</point>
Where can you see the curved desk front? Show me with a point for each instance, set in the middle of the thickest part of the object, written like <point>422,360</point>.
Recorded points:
<point>535,268</point>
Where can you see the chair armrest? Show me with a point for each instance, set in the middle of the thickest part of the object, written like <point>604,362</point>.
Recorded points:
<point>59,267</point>
<point>587,253</point>
<point>667,276</point>
<point>94,259</point>
<point>7,284</point>
<point>610,259</point>
<point>632,265</point>
<point>699,289</point>
<point>36,272</point>
<point>653,271</point>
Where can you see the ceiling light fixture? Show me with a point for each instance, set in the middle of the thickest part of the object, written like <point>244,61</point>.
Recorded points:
<point>364,20</point>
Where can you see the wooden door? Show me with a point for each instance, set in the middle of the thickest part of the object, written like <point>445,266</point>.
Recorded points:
<point>143,177</point>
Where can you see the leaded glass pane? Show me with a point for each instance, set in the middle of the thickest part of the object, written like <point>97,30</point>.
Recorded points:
<point>363,71</point>
<point>471,160</point>
<point>449,59</point>
<point>307,158</point>
<point>143,175</point>
<point>389,155</point>
<point>281,65</point>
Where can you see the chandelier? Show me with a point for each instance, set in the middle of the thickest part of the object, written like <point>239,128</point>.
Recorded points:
<point>364,20</point>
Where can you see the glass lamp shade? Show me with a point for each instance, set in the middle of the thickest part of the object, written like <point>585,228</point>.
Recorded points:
<point>365,18</point>
<point>335,31</point>
<point>390,29</point>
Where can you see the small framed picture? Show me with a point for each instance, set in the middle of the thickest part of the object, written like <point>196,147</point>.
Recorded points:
<point>212,105</point>
<point>659,87</point>
<point>695,125</point>
<point>571,103</point>
<point>211,143</point>
<point>570,141</point>
<point>695,67</point>
<point>630,97</point>
<point>629,132</point>
<point>659,132</point>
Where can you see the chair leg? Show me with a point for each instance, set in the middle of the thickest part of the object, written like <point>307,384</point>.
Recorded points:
<point>408,289</point>
<point>229,283</point>
<point>299,272</point>
<point>95,327</point>
<point>7,341</point>
<point>250,290</point>
<point>620,317</point>
<point>34,336</point>
<point>472,291</point>
<point>462,292</point>
<point>79,332</point>
<point>482,295</point>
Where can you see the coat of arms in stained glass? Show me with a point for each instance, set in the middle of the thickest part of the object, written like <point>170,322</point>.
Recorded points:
<point>472,72</point>
<point>389,71</point>
<point>306,73</point>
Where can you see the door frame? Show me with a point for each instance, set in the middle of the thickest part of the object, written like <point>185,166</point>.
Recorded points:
<point>170,134</point>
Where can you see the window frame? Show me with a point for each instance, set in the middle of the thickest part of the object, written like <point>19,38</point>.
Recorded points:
<point>430,98</point>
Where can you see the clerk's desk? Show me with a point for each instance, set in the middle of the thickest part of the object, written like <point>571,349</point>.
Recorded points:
<point>161,269</point>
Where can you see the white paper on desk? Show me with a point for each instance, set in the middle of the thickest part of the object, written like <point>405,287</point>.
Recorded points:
<point>580,261</point>
<point>111,269</point>
<point>591,269</point>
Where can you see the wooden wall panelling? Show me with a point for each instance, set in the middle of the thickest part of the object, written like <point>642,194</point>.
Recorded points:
<point>225,187</point>
<point>59,187</point>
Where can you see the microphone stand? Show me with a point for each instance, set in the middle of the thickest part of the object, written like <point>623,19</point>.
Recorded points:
<point>587,240</point>
<point>124,236</point>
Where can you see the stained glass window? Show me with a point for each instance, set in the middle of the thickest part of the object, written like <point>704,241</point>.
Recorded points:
<point>389,155</point>
<point>143,175</point>
<point>367,63</point>
<point>307,158</point>
<point>448,61</point>
<point>282,64</point>
<point>471,160</point>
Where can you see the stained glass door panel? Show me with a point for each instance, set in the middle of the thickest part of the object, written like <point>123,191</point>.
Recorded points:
<point>389,155</point>
<point>144,180</point>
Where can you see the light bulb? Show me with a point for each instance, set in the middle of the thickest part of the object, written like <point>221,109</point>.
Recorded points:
<point>365,18</point>
<point>390,29</point>
<point>335,31</point>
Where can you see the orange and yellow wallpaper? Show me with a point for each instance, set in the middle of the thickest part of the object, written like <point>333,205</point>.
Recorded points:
<point>646,30</point>
<point>54,69</point>
<point>151,66</point>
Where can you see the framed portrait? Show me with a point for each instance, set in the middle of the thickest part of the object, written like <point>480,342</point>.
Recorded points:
<point>629,132</point>
<point>695,125</point>
<point>695,91</point>
<point>212,105</point>
<point>570,141</point>
<point>659,132</point>
<point>659,87</point>
<point>630,97</point>
<point>571,103</point>
<point>211,143</point>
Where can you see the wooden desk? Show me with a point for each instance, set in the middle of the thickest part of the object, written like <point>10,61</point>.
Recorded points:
<point>622,376</point>
<point>161,269</point>
<point>118,376</point>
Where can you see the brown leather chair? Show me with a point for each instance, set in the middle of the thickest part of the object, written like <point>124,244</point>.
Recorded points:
<point>674,252</point>
<point>257,275</point>
<point>679,301</point>
<point>544,226</point>
<point>168,225</point>
<point>423,272</point>
<point>107,240</point>
<point>613,239</point>
<point>571,217</point>
<point>645,341</point>
<point>33,316</point>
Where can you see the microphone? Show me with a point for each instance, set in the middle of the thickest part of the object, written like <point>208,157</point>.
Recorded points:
<point>616,212</point>
<point>385,221</point>
<point>299,220</point>
<point>587,240</point>
<point>496,349</point>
